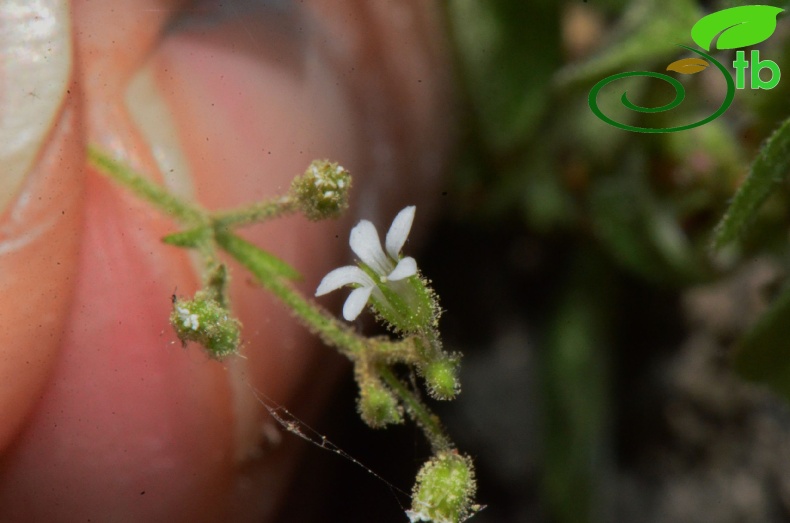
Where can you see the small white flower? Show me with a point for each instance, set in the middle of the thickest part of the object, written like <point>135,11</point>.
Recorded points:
<point>189,319</point>
<point>388,266</point>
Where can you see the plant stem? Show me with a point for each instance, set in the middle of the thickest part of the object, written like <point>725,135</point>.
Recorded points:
<point>395,351</point>
<point>427,420</point>
<point>149,191</point>
<point>315,318</point>
<point>334,333</point>
<point>254,213</point>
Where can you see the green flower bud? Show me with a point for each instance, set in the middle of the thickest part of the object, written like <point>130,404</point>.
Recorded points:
<point>322,191</point>
<point>441,377</point>
<point>205,321</point>
<point>445,489</point>
<point>378,406</point>
<point>408,306</point>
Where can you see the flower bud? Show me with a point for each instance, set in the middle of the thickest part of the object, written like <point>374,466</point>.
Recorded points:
<point>322,191</point>
<point>445,489</point>
<point>205,321</point>
<point>378,406</point>
<point>441,377</point>
<point>408,306</point>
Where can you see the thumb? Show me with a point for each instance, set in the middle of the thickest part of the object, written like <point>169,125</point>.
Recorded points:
<point>40,180</point>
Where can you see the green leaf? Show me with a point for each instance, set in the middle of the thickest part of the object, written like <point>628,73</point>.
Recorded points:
<point>763,354</point>
<point>768,171</point>
<point>641,231</point>
<point>263,265</point>
<point>738,26</point>
<point>190,238</point>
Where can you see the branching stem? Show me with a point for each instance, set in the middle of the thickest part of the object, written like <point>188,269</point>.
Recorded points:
<point>208,232</point>
<point>425,419</point>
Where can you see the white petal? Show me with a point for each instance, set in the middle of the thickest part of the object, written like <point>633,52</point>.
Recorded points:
<point>406,267</point>
<point>356,302</point>
<point>399,231</point>
<point>348,275</point>
<point>366,244</point>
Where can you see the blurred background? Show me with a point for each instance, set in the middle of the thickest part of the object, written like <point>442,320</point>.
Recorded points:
<point>617,368</point>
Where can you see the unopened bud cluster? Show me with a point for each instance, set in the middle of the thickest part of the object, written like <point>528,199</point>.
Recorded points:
<point>322,191</point>
<point>444,490</point>
<point>203,320</point>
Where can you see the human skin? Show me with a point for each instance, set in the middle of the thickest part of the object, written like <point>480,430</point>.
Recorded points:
<point>105,417</point>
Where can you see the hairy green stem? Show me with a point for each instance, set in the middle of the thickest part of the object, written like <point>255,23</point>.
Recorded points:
<point>334,333</point>
<point>149,191</point>
<point>315,318</point>
<point>255,213</point>
<point>395,351</point>
<point>427,420</point>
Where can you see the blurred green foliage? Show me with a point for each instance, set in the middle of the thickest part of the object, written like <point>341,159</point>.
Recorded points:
<point>768,172</point>
<point>639,205</point>
<point>574,379</point>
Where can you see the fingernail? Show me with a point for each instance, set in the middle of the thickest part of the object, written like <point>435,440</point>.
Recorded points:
<point>36,48</point>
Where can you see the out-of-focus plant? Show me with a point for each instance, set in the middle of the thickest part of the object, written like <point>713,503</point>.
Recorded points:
<point>624,205</point>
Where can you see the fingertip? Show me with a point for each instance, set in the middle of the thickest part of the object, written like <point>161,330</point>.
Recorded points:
<point>39,241</point>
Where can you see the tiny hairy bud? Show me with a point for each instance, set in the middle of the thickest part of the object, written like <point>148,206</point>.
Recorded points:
<point>322,191</point>
<point>445,489</point>
<point>378,406</point>
<point>441,377</point>
<point>205,321</point>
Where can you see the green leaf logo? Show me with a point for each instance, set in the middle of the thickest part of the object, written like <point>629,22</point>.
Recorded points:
<point>738,26</point>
